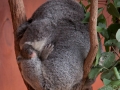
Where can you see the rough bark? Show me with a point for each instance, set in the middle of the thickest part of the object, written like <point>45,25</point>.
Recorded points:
<point>18,17</point>
<point>93,40</point>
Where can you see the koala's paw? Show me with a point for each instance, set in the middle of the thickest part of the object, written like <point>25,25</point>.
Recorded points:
<point>46,51</point>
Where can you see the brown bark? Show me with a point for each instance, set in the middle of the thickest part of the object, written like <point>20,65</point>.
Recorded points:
<point>93,40</point>
<point>18,17</point>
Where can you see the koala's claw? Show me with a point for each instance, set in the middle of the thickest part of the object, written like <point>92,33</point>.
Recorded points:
<point>48,48</point>
<point>46,51</point>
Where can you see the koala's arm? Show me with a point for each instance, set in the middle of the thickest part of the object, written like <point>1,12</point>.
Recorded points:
<point>27,73</point>
<point>46,51</point>
<point>28,52</point>
<point>22,28</point>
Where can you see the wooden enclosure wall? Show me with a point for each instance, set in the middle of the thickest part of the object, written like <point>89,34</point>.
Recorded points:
<point>10,78</point>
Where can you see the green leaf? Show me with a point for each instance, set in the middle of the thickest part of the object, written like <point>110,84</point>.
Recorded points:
<point>101,21</point>
<point>106,47</point>
<point>106,81</point>
<point>117,3</point>
<point>117,64</point>
<point>87,16</point>
<point>116,73</point>
<point>94,72</point>
<point>99,29</point>
<point>100,10</point>
<point>112,30</point>
<point>114,19</point>
<point>112,10</point>
<point>118,45</point>
<point>111,42</point>
<point>108,1</point>
<point>86,19</point>
<point>103,25</point>
<point>103,32</point>
<point>109,74</point>
<point>108,59</point>
<point>115,84</point>
<point>87,6</point>
<point>98,55</point>
<point>108,87</point>
<point>118,35</point>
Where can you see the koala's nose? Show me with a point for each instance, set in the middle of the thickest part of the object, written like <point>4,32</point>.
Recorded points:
<point>30,52</point>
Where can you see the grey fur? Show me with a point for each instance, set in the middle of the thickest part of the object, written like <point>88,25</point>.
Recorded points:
<point>59,22</point>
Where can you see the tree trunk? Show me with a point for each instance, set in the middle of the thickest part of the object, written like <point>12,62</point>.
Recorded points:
<point>18,17</point>
<point>93,40</point>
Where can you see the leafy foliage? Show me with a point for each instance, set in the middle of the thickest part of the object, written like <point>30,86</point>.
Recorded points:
<point>106,62</point>
<point>118,35</point>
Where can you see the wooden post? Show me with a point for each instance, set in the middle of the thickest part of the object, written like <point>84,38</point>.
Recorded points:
<point>18,17</point>
<point>93,40</point>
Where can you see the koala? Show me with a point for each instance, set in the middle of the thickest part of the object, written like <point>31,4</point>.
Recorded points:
<point>56,23</point>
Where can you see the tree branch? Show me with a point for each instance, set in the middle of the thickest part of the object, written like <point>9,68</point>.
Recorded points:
<point>93,40</point>
<point>18,17</point>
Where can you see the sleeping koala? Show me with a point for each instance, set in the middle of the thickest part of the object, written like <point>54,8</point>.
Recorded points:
<point>56,23</point>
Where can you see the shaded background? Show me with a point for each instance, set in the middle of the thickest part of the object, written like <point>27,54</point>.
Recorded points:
<point>10,78</point>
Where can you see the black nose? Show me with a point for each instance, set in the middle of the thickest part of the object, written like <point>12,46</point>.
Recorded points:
<point>30,51</point>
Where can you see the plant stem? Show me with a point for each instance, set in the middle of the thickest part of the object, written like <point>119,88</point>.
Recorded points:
<point>116,73</point>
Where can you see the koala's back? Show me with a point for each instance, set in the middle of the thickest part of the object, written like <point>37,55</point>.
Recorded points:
<point>64,67</point>
<point>59,9</point>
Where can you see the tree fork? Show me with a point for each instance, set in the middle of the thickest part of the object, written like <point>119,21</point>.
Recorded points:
<point>18,17</point>
<point>93,41</point>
